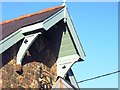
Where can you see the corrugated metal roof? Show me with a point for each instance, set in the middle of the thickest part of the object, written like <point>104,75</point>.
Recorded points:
<point>11,26</point>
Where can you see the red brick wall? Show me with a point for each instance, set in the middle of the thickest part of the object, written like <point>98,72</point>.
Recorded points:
<point>30,76</point>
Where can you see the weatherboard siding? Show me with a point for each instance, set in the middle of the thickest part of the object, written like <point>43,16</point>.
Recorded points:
<point>67,47</point>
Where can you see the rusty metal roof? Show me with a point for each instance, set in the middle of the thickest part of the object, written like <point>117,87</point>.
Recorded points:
<point>10,26</point>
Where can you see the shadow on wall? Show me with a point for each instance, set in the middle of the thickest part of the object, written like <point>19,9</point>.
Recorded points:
<point>10,54</point>
<point>45,49</point>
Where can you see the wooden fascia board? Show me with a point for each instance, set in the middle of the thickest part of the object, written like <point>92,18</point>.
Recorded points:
<point>18,35</point>
<point>10,40</point>
<point>48,23</point>
<point>75,36</point>
<point>73,79</point>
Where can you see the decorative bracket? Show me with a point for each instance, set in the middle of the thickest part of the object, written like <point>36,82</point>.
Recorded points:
<point>65,63</point>
<point>28,40</point>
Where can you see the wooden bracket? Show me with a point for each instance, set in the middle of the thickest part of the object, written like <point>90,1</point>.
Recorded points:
<point>65,63</point>
<point>27,42</point>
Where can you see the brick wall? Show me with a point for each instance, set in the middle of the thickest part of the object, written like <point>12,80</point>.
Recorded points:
<point>30,76</point>
<point>39,68</point>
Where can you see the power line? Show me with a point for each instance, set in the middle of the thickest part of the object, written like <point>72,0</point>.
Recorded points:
<point>99,76</point>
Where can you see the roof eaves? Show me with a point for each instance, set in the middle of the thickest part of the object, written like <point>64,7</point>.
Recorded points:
<point>29,15</point>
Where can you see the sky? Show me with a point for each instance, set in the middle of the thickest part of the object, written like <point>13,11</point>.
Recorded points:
<point>96,24</point>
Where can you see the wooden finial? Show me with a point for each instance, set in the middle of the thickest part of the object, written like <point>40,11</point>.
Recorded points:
<point>64,3</point>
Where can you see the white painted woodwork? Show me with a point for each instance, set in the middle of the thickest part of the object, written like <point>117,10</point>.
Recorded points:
<point>66,61</point>
<point>25,46</point>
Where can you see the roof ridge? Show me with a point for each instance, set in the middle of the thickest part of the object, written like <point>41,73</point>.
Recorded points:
<point>29,15</point>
